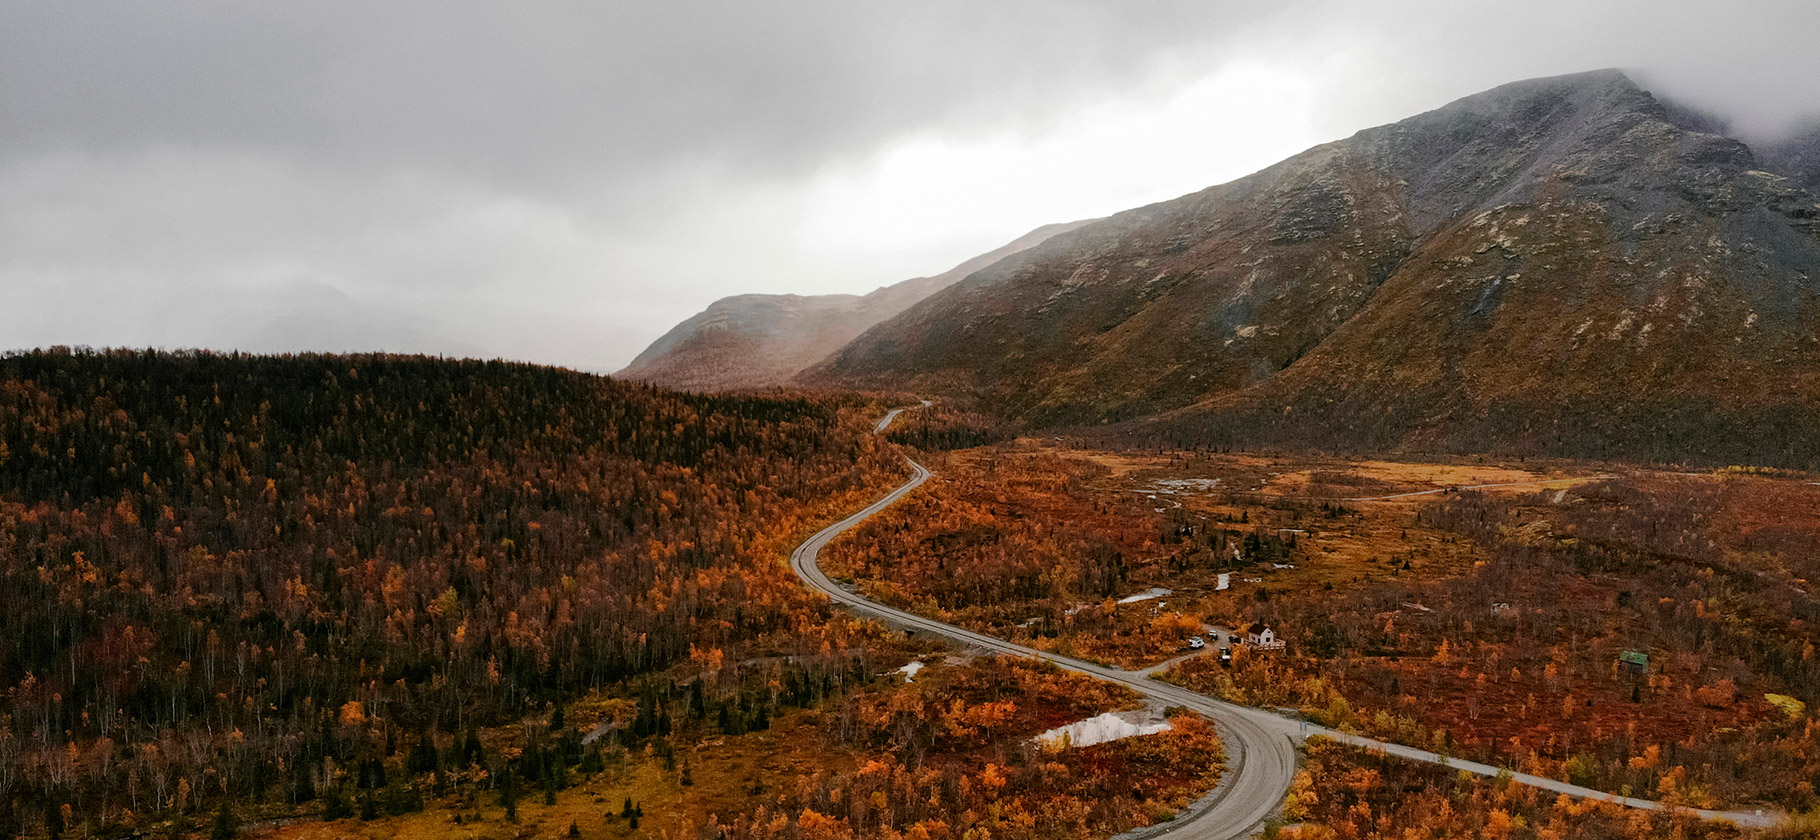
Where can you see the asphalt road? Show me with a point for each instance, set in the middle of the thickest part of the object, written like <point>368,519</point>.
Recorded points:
<point>1260,745</point>
<point>1260,759</point>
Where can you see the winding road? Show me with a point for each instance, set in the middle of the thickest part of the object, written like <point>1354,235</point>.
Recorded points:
<point>1260,745</point>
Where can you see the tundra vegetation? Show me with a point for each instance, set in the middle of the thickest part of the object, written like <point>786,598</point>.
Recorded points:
<point>1345,793</point>
<point>1482,623</point>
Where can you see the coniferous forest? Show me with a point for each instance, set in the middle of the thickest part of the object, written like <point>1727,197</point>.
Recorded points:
<point>254,579</point>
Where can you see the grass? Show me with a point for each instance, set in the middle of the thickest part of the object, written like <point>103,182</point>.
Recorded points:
<point>723,771</point>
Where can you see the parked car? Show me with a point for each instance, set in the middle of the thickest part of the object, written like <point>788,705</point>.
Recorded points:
<point>1226,656</point>
<point>1196,643</point>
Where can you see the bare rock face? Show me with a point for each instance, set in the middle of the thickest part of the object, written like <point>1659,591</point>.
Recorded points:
<point>1552,266</point>
<point>755,341</point>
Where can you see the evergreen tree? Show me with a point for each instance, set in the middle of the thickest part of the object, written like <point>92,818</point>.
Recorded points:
<point>335,805</point>
<point>508,792</point>
<point>591,762</point>
<point>304,787</point>
<point>423,757</point>
<point>470,748</point>
<point>226,826</point>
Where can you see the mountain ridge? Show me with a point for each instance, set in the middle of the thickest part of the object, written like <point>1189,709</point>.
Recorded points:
<point>1374,273</point>
<point>761,340</point>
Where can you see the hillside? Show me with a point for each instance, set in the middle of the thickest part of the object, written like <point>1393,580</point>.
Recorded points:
<point>329,596</point>
<point>751,341</point>
<point>1551,266</point>
<point>250,577</point>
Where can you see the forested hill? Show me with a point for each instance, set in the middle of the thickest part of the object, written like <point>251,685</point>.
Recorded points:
<point>232,575</point>
<point>82,426</point>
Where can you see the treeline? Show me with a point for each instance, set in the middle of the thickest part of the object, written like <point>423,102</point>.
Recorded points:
<point>463,774</point>
<point>1685,430</point>
<point>227,576</point>
<point>1003,533</point>
<point>942,426</point>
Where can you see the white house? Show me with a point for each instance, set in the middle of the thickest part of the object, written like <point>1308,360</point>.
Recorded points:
<point>1261,637</point>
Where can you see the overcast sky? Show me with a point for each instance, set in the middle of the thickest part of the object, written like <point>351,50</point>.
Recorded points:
<point>562,182</point>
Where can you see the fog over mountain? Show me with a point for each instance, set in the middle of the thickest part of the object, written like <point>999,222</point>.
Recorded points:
<point>562,183</point>
<point>755,341</point>
<point>1555,266</point>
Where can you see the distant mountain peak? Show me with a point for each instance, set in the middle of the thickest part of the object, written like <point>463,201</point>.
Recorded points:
<point>1552,265</point>
<point>761,340</point>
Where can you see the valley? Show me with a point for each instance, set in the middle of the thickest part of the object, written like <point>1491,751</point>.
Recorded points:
<point>332,596</point>
<point>1473,613</point>
<point>1710,723</point>
<point>1453,478</point>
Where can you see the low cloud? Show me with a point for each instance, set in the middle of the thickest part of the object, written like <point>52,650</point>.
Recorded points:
<point>563,182</point>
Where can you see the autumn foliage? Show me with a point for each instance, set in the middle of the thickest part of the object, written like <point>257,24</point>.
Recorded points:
<point>1017,543</point>
<point>1515,661</point>
<point>266,578</point>
<point>951,756</point>
<point>1344,793</point>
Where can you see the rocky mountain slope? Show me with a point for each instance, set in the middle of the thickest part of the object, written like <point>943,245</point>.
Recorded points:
<point>1552,266</point>
<point>749,341</point>
<point>1797,156</point>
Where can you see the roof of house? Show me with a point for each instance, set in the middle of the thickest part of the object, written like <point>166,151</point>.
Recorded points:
<point>1257,628</point>
<point>1634,657</point>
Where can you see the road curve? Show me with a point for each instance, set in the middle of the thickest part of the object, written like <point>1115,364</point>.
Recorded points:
<point>1260,745</point>
<point>1260,757</point>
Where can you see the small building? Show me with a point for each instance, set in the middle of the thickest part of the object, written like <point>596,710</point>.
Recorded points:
<point>1634,663</point>
<point>1261,637</point>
